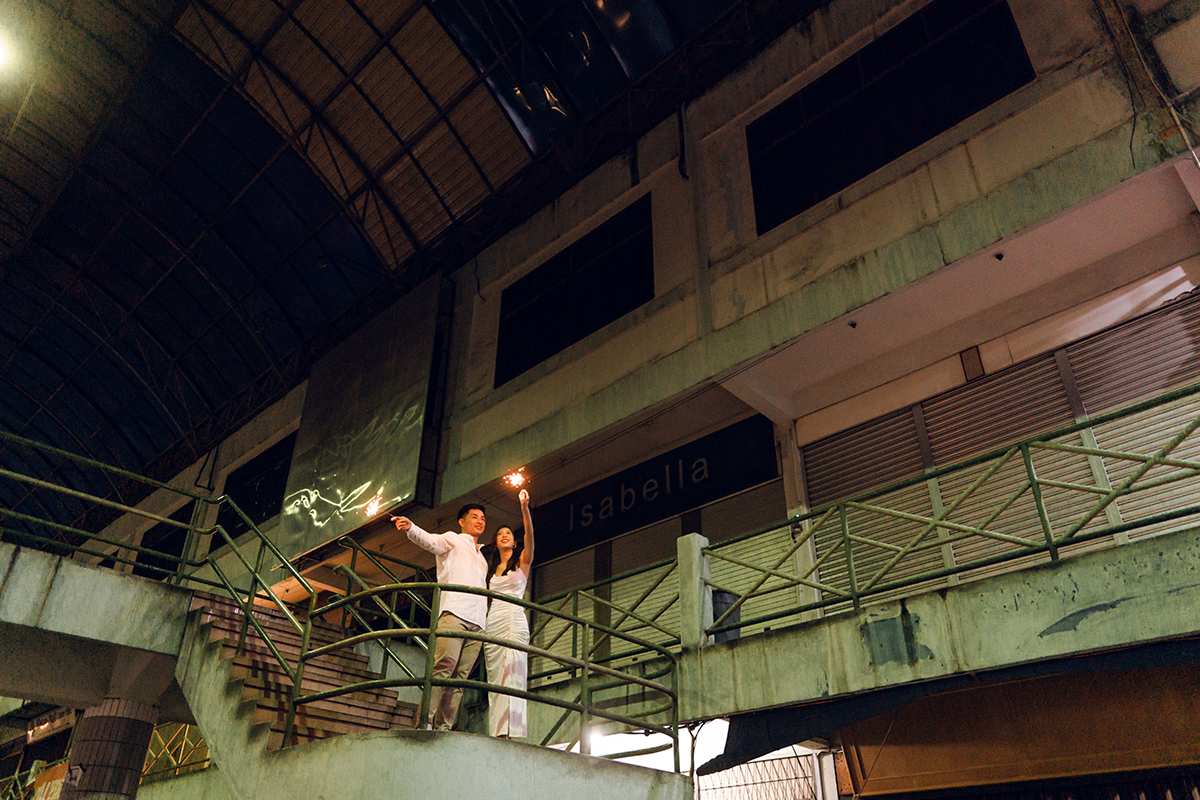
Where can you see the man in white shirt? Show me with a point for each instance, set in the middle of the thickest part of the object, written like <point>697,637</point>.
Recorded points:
<point>459,562</point>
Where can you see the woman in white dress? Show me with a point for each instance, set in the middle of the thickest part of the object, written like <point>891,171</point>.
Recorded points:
<point>508,573</point>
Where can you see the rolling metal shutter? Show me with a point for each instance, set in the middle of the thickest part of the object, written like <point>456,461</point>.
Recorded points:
<point>871,455</point>
<point>1140,358</point>
<point>1012,405</point>
<point>1134,361</point>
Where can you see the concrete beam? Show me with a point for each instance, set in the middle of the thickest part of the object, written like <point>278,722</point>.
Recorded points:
<point>1129,595</point>
<point>73,634</point>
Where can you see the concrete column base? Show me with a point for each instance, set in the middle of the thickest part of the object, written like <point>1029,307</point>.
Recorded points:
<point>109,751</point>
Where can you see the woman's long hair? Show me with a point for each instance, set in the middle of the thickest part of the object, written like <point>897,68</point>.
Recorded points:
<point>492,554</point>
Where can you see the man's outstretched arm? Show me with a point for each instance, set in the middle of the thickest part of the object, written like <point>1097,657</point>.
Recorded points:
<point>434,543</point>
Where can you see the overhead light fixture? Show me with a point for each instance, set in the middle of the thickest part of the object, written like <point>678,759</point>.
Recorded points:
<point>8,55</point>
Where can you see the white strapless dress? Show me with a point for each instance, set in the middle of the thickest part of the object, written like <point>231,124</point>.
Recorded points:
<point>505,666</point>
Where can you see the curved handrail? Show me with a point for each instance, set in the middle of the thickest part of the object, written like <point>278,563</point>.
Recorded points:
<point>586,667</point>
<point>450,587</point>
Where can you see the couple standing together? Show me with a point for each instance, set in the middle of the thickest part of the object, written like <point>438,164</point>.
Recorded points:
<point>505,569</point>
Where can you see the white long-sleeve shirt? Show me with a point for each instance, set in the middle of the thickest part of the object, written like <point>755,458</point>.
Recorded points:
<point>458,562</point>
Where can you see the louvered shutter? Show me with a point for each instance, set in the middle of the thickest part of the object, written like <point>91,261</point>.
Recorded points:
<point>1134,361</point>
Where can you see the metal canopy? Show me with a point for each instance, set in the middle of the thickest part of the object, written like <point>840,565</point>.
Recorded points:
<point>199,198</point>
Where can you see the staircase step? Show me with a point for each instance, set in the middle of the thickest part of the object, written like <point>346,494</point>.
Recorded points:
<point>266,614</point>
<point>390,717</point>
<point>281,631</point>
<point>333,719</point>
<point>289,645</point>
<point>270,616</point>
<point>282,638</point>
<point>329,666</point>
<point>266,678</point>
<point>265,688</point>
<point>328,722</point>
<point>275,628</point>
<point>227,607</point>
<point>231,617</point>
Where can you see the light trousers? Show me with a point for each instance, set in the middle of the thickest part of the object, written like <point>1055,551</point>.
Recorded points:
<point>453,658</point>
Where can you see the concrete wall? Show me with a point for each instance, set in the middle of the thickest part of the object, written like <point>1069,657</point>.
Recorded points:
<point>1101,601</point>
<point>207,478</point>
<point>1143,592</point>
<point>725,295</point>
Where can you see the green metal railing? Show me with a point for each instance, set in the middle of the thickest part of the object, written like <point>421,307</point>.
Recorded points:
<point>254,586</point>
<point>641,603</point>
<point>1031,502</point>
<point>363,607</point>
<point>658,711</point>
<point>13,786</point>
<point>1027,503</point>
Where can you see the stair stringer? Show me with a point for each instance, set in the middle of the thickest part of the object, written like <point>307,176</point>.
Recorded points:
<point>236,743</point>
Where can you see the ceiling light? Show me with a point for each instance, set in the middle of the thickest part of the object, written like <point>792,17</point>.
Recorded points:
<point>8,55</point>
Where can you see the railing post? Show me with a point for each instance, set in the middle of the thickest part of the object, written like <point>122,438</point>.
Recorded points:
<point>251,594</point>
<point>585,694</point>
<point>350,591</point>
<point>695,594</point>
<point>189,543</point>
<point>574,630</point>
<point>1041,504</point>
<point>849,557</point>
<point>675,712</point>
<point>305,637</point>
<point>424,714</point>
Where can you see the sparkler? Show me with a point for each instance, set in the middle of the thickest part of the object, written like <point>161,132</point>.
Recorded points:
<point>373,505</point>
<point>515,479</point>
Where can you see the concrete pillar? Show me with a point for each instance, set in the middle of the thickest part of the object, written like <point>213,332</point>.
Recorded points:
<point>827,788</point>
<point>796,496</point>
<point>108,750</point>
<point>695,595</point>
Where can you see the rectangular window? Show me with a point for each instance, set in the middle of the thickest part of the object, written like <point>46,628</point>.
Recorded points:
<point>167,539</point>
<point>595,281</point>
<point>946,62</point>
<point>258,487</point>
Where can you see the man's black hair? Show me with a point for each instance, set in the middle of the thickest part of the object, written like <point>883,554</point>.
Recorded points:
<point>462,512</point>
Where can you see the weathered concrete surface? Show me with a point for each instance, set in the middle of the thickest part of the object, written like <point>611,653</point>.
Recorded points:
<point>1128,595</point>
<point>725,294</point>
<point>72,634</point>
<point>396,764</point>
<point>424,764</point>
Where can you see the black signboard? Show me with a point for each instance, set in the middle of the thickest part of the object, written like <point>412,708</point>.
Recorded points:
<point>718,465</point>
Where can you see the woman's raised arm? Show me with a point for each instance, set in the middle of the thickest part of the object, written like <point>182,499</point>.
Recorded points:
<point>527,550</point>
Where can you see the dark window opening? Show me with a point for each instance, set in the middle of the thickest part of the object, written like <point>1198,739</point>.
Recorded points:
<point>257,487</point>
<point>595,281</point>
<point>946,62</point>
<point>167,539</point>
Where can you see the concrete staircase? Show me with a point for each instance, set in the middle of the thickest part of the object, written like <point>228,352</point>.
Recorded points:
<point>238,702</point>
<point>258,678</point>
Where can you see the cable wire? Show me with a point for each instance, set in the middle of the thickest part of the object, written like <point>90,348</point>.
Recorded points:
<point>1168,101</point>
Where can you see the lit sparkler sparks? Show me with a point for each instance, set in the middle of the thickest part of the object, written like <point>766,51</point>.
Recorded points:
<point>373,505</point>
<point>516,479</point>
